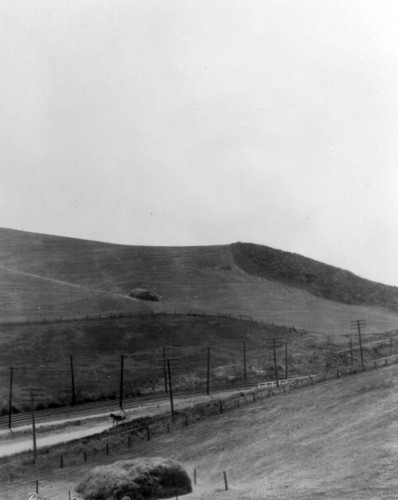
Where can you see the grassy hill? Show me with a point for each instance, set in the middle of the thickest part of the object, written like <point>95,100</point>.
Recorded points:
<point>317,278</point>
<point>41,355</point>
<point>24,296</point>
<point>267,284</point>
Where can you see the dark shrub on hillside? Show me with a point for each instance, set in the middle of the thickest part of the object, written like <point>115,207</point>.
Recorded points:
<point>143,294</point>
<point>225,267</point>
<point>140,479</point>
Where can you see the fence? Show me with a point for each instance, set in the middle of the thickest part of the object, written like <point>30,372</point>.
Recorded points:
<point>118,315</point>
<point>153,314</point>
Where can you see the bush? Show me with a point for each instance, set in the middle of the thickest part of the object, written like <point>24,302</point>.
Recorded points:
<point>143,294</point>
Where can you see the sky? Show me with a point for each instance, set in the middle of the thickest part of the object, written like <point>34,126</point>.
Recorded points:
<point>199,122</point>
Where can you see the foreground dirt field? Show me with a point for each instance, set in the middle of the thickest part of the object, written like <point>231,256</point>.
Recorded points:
<point>336,440</point>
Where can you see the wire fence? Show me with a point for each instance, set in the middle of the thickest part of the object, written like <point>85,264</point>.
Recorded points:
<point>119,315</point>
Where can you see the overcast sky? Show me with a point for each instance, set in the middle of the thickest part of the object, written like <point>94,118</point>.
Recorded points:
<point>195,122</point>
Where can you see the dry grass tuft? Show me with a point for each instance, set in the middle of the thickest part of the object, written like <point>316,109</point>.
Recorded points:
<point>140,479</point>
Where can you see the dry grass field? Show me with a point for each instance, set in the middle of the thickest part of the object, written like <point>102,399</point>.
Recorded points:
<point>331,441</point>
<point>25,296</point>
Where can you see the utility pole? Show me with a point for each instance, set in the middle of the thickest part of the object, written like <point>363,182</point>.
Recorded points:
<point>352,354</point>
<point>33,426</point>
<point>165,370</point>
<point>358,324</point>
<point>208,372</point>
<point>277,342</point>
<point>286,369</point>
<point>73,380</point>
<point>10,398</point>
<point>171,390</point>
<point>121,382</point>
<point>275,363</point>
<point>244,362</point>
<point>33,395</point>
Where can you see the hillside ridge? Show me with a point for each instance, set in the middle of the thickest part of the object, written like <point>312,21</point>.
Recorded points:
<point>318,278</point>
<point>240,278</point>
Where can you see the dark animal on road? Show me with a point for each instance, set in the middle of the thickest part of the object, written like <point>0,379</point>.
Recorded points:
<point>117,418</point>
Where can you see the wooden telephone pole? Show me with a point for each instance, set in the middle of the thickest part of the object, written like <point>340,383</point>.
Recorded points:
<point>10,398</point>
<point>358,324</point>
<point>208,372</point>
<point>72,374</point>
<point>244,363</point>
<point>121,381</point>
<point>170,390</point>
<point>276,343</point>
<point>33,396</point>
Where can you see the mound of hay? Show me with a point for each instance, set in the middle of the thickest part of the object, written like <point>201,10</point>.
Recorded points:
<point>144,294</point>
<point>140,479</point>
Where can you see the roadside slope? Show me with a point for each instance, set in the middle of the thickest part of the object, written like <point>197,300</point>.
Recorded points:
<point>330,441</point>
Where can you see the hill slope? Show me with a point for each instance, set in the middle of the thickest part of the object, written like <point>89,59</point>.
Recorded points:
<point>224,278</point>
<point>317,278</point>
<point>24,296</point>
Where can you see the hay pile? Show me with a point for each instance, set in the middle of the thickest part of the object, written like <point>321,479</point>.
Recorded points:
<point>140,479</point>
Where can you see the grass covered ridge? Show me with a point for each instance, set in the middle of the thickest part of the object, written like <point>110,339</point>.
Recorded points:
<point>317,278</point>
